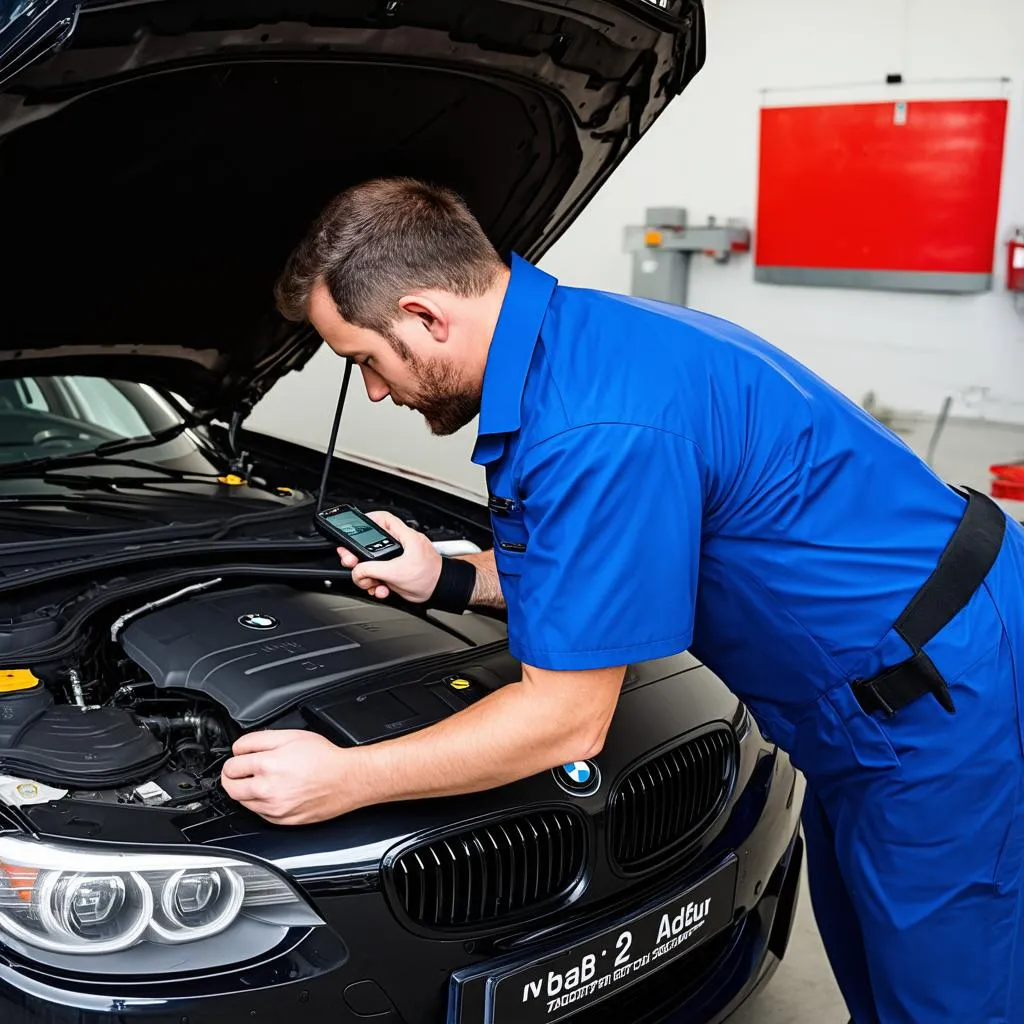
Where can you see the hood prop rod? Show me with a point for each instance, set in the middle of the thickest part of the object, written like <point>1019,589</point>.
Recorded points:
<point>334,435</point>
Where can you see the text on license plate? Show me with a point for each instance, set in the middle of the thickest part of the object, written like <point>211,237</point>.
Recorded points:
<point>567,982</point>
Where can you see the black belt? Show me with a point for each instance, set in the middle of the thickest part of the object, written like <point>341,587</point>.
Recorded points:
<point>962,568</point>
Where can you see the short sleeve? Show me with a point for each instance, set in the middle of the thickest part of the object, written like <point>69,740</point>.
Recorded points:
<point>609,575</point>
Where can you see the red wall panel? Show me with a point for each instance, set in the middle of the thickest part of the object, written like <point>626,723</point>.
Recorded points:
<point>847,187</point>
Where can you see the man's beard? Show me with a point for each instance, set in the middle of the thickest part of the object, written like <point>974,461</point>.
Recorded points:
<point>445,399</point>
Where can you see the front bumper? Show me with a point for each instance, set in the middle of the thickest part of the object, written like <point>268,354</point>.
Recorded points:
<point>360,969</point>
<point>704,986</point>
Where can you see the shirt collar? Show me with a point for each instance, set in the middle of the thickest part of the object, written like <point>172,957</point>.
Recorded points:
<point>508,360</point>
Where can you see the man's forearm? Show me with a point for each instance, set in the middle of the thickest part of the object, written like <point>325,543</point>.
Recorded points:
<point>487,591</point>
<point>518,731</point>
<point>295,777</point>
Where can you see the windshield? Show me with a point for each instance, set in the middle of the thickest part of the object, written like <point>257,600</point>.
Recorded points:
<point>54,416</point>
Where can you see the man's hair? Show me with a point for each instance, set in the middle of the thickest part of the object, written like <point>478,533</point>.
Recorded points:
<point>381,239</point>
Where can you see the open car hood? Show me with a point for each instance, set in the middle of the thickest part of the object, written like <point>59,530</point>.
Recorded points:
<point>159,158</point>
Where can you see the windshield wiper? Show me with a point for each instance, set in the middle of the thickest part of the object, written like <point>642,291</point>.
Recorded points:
<point>56,475</point>
<point>99,454</point>
<point>161,488</point>
<point>19,554</point>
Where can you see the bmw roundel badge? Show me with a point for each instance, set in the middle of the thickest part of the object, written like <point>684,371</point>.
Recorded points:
<point>253,620</point>
<point>581,778</point>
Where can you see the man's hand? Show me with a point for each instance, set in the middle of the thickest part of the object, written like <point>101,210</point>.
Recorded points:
<point>289,777</point>
<point>413,575</point>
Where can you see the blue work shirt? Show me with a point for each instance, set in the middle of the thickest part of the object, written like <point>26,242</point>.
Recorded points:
<point>663,480</point>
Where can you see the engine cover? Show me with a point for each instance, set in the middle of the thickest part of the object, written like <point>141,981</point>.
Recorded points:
<point>62,745</point>
<point>259,650</point>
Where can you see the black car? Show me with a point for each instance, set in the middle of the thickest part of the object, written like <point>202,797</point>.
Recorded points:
<point>163,590</point>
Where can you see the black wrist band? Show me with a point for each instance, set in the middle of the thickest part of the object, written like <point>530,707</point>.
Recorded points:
<point>455,586</point>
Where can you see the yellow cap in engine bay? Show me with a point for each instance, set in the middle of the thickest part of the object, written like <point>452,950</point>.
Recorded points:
<point>14,679</point>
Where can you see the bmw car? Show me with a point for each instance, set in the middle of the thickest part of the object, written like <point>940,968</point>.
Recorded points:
<point>163,590</point>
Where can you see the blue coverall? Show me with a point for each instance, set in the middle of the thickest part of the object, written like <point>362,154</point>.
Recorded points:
<point>663,480</point>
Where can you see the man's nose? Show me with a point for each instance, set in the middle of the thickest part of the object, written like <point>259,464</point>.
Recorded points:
<point>376,389</point>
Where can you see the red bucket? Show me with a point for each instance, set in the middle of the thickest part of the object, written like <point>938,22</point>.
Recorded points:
<point>1009,481</point>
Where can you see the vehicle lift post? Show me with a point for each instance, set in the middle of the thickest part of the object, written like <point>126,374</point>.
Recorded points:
<point>664,245</point>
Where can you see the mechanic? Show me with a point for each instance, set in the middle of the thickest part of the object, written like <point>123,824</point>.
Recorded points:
<point>661,480</point>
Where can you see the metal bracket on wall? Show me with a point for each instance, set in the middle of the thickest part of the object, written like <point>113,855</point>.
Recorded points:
<point>664,245</point>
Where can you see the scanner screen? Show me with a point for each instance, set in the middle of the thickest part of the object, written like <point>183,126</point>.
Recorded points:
<point>362,531</point>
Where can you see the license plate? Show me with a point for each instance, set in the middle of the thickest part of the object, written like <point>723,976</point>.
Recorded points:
<point>594,969</point>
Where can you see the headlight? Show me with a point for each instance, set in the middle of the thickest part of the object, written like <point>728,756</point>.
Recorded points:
<point>73,902</point>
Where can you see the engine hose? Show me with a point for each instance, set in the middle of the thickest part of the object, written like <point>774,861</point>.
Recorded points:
<point>204,727</point>
<point>194,588</point>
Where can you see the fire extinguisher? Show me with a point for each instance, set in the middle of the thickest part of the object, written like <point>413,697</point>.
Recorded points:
<point>1015,264</point>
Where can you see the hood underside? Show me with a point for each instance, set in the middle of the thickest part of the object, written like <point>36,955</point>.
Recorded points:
<point>157,168</point>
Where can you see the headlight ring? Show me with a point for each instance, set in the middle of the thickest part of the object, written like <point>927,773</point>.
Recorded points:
<point>198,904</point>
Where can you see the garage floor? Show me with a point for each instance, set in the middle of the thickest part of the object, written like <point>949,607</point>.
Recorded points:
<point>803,990</point>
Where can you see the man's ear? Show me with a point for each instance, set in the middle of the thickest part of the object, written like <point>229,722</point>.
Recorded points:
<point>431,315</point>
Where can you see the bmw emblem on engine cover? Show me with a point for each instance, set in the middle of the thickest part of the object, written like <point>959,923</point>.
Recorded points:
<point>253,620</point>
<point>581,778</point>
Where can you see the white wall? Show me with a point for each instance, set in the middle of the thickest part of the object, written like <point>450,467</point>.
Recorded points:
<point>910,350</point>
<point>301,408</point>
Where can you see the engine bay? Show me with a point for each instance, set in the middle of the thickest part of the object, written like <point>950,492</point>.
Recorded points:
<point>132,659</point>
<point>147,715</point>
